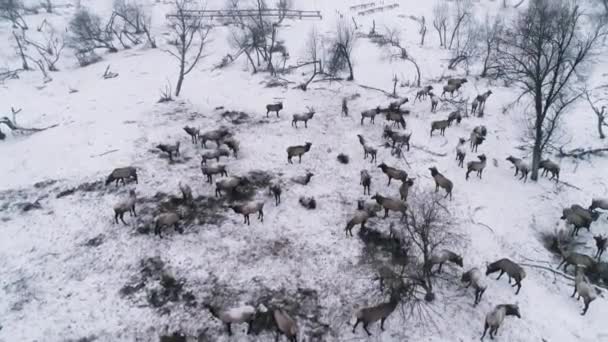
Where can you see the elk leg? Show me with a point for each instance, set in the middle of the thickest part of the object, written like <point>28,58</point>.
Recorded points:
<point>229,329</point>
<point>356,323</point>
<point>485,329</point>
<point>365,328</point>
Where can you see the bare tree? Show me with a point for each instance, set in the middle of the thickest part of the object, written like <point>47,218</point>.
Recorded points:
<point>429,227</point>
<point>461,16</point>
<point>440,22</point>
<point>467,44</point>
<point>491,31</point>
<point>11,10</point>
<point>342,46</point>
<point>86,32</point>
<point>313,52</point>
<point>599,112</point>
<point>392,38</point>
<point>258,34</point>
<point>190,36</point>
<point>544,53</point>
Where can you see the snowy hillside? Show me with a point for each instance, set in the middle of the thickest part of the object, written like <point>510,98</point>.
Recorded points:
<point>69,273</point>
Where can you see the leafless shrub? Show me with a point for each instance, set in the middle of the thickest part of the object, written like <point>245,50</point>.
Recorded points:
<point>131,21</point>
<point>165,93</point>
<point>257,34</point>
<point>11,10</point>
<point>87,57</point>
<point>191,37</point>
<point>50,48</point>
<point>544,54</point>
<point>87,33</point>
<point>340,53</point>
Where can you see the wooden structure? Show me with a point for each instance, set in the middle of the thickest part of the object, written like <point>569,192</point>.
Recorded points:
<point>246,13</point>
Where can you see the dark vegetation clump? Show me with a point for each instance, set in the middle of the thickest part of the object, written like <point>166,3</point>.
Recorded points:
<point>343,158</point>
<point>160,285</point>
<point>236,117</point>
<point>175,337</point>
<point>84,187</point>
<point>552,240</point>
<point>258,180</point>
<point>381,247</point>
<point>96,241</point>
<point>308,202</point>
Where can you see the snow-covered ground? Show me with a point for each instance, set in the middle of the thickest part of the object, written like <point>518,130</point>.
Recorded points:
<point>57,285</point>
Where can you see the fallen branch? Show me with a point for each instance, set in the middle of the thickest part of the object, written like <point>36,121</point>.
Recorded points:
<point>109,74</point>
<point>570,185</point>
<point>103,154</point>
<point>5,120</point>
<point>436,154</point>
<point>556,272</point>
<point>376,89</point>
<point>579,153</point>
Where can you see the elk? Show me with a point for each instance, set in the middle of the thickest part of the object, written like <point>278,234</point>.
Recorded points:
<point>303,117</point>
<point>495,318</point>
<point>125,205</point>
<point>442,182</point>
<point>480,102</point>
<point>512,269</point>
<point>423,93</point>
<point>297,151</point>
<point>122,173</point>
<point>193,133</point>
<point>274,108</point>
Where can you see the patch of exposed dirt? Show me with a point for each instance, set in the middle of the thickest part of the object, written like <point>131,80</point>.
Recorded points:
<point>235,117</point>
<point>160,285</point>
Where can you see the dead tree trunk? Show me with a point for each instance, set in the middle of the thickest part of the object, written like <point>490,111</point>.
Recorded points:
<point>24,64</point>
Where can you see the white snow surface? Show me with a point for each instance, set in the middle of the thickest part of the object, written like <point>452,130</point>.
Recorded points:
<point>54,288</point>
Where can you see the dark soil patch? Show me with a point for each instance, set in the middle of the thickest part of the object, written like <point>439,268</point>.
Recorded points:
<point>380,247</point>
<point>175,337</point>
<point>303,305</point>
<point>258,180</point>
<point>27,206</point>
<point>96,241</point>
<point>235,117</point>
<point>84,187</point>
<point>552,240</point>
<point>44,184</point>
<point>161,286</point>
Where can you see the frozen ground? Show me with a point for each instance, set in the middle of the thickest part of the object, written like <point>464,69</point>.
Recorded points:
<point>58,285</point>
